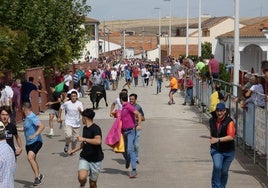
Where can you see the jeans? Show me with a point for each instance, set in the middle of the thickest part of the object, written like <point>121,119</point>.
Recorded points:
<point>129,154</point>
<point>221,164</point>
<point>137,143</point>
<point>136,81</point>
<point>158,87</point>
<point>189,93</point>
<point>106,83</point>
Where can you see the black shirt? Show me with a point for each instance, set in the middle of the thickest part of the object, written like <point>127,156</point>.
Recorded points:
<point>56,95</point>
<point>90,152</point>
<point>11,131</point>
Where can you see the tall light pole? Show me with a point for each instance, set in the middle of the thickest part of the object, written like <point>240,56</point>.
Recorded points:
<point>199,29</point>
<point>159,35</point>
<point>169,35</point>
<point>187,29</point>
<point>236,48</point>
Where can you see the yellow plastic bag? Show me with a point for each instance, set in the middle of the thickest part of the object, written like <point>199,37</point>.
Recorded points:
<point>120,147</point>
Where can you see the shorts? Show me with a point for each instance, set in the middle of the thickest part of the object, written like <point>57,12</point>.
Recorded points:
<point>173,91</point>
<point>93,168</point>
<point>34,147</point>
<point>54,112</point>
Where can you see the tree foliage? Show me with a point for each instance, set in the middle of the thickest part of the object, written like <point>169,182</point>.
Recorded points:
<point>52,27</point>
<point>206,50</point>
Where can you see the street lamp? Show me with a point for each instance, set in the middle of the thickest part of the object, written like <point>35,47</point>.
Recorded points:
<point>236,48</point>
<point>187,29</point>
<point>199,29</point>
<point>159,34</point>
<point>169,35</point>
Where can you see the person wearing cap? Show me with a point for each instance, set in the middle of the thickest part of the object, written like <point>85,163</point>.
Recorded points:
<point>91,155</point>
<point>264,67</point>
<point>7,161</point>
<point>173,84</point>
<point>222,148</point>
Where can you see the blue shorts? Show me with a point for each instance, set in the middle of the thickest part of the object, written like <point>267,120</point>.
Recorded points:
<point>94,168</point>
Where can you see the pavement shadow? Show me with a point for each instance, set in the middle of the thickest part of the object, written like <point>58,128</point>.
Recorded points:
<point>26,184</point>
<point>61,154</point>
<point>120,161</point>
<point>113,171</point>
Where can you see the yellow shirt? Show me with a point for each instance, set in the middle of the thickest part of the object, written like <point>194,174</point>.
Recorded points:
<point>214,100</point>
<point>173,83</point>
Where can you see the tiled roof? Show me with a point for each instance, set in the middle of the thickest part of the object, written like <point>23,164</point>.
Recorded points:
<point>91,20</point>
<point>210,22</point>
<point>251,31</point>
<point>136,42</point>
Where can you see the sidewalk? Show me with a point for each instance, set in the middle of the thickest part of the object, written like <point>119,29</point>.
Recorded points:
<point>174,150</point>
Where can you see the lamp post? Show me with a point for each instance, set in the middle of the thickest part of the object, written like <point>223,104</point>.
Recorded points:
<point>236,48</point>
<point>187,29</point>
<point>169,35</point>
<point>199,29</point>
<point>159,35</point>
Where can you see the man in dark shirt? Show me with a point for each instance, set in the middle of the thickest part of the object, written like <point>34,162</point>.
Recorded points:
<point>27,88</point>
<point>91,155</point>
<point>54,107</point>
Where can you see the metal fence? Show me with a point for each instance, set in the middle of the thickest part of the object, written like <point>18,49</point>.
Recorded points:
<point>251,122</point>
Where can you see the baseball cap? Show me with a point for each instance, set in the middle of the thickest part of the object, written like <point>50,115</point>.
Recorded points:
<point>220,106</point>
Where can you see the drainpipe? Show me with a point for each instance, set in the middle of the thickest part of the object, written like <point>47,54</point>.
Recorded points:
<point>223,45</point>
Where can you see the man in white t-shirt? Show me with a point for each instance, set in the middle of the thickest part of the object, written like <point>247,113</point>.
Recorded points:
<point>6,95</point>
<point>67,80</point>
<point>113,78</point>
<point>117,103</point>
<point>73,109</point>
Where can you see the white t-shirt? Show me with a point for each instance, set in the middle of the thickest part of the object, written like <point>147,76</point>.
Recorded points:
<point>67,79</point>
<point>113,74</point>
<point>72,116</point>
<point>6,94</point>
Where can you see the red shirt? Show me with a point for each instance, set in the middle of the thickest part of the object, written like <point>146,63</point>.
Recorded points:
<point>214,65</point>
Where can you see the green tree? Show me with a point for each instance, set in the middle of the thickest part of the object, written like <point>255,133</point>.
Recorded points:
<point>206,49</point>
<point>53,27</point>
<point>13,46</point>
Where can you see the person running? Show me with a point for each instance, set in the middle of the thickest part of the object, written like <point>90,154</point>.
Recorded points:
<point>133,100</point>
<point>73,109</point>
<point>117,103</point>
<point>173,84</point>
<point>129,128</point>
<point>222,148</point>
<point>91,155</point>
<point>33,128</point>
<point>54,106</point>
<point>11,130</point>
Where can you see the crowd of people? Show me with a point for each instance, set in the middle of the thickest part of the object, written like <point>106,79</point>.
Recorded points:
<point>178,73</point>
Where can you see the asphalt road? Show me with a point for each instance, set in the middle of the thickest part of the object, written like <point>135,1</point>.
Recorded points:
<point>174,150</point>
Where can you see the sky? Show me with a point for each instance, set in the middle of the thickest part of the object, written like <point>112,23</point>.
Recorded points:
<point>104,10</point>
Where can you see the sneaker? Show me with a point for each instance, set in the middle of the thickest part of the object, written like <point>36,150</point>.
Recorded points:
<point>66,147</point>
<point>38,181</point>
<point>133,174</point>
<point>51,133</point>
<point>184,103</point>
<point>137,161</point>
